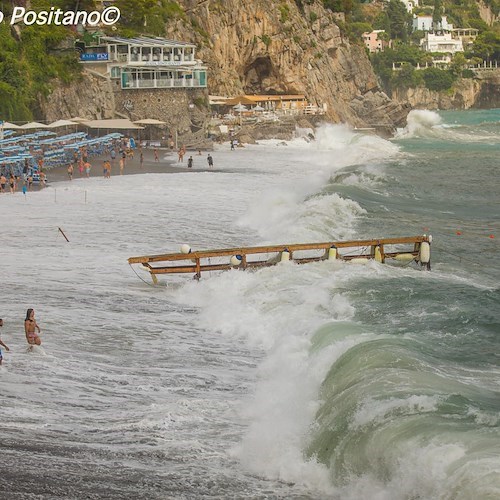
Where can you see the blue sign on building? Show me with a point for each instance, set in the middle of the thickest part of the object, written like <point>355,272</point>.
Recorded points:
<point>104,56</point>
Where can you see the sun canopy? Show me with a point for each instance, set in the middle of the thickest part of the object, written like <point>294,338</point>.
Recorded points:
<point>33,125</point>
<point>10,125</point>
<point>149,121</point>
<point>62,123</point>
<point>121,123</point>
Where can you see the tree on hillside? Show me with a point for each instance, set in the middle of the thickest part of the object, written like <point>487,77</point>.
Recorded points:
<point>398,20</point>
<point>487,46</point>
<point>437,14</point>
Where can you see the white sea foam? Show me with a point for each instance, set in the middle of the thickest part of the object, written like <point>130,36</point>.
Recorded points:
<point>218,376</point>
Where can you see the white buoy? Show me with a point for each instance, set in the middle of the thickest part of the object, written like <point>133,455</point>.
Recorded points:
<point>285,256</point>
<point>359,260</point>
<point>425,252</point>
<point>378,254</point>
<point>430,238</point>
<point>236,260</point>
<point>185,248</point>
<point>404,257</point>
<point>332,253</point>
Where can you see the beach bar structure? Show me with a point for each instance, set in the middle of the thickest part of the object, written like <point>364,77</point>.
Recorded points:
<point>145,62</point>
<point>405,249</point>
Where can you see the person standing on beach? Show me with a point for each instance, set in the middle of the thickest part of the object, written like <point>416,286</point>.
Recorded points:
<point>190,162</point>
<point>70,171</point>
<point>155,151</point>
<point>12,182</point>
<point>210,161</point>
<point>122,165</point>
<point>141,160</point>
<point>3,182</point>
<point>30,325</point>
<point>2,344</point>
<point>30,182</point>
<point>87,166</point>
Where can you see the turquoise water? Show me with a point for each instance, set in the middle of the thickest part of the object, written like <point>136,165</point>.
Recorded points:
<point>414,412</point>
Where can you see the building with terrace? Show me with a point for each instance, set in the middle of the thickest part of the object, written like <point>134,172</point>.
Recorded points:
<point>441,42</point>
<point>145,63</point>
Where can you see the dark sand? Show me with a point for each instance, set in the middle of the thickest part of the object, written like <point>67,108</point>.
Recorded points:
<point>167,164</point>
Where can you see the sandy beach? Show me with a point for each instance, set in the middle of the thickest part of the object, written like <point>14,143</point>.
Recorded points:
<point>167,164</point>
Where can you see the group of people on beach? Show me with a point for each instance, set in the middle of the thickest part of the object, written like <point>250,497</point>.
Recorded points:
<point>31,330</point>
<point>14,181</point>
<point>210,160</point>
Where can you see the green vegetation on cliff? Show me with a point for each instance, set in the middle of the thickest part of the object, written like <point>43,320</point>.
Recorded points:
<point>31,57</point>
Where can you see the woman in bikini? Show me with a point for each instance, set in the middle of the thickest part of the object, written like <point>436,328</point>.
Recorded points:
<point>30,325</point>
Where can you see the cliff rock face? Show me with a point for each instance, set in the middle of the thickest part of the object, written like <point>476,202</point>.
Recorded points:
<point>90,97</point>
<point>261,46</point>
<point>269,46</point>
<point>480,92</point>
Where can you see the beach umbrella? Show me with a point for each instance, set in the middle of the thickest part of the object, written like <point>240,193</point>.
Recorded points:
<point>62,123</point>
<point>149,121</point>
<point>33,125</point>
<point>240,107</point>
<point>7,125</point>
<point>258,108</point>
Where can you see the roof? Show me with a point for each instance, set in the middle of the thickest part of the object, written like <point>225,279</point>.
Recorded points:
<point>149,121</point>
<point>146,41</point>
<point>242,99</point>
<point>287,97</point>
<point>120,123</point>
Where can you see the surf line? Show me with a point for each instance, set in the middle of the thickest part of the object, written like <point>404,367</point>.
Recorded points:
<point>356,252</point>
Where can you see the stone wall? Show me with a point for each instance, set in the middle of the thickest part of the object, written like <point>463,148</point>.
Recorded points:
<point>183,110</point>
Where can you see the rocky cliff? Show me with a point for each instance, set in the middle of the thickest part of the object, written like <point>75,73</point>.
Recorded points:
<point>268,46</point>
<point>480,92</point>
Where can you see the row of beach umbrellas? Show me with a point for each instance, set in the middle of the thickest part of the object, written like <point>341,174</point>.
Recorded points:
<point>119,123</point>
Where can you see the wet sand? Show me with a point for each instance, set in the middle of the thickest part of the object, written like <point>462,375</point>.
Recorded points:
<point>167,164</point>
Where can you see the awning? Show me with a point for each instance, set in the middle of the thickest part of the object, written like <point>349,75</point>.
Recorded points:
<point>239,100</point>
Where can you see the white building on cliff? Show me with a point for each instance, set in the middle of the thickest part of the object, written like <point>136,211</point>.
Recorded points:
<point>145,63</point>
<point>441,42</point>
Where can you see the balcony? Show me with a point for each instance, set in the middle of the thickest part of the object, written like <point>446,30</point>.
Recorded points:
<point>162,83</point>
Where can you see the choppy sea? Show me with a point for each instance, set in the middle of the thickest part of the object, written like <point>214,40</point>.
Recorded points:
<point>321,381</point>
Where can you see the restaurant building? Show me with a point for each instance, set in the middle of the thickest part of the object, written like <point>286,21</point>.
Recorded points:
<point>145,63</point>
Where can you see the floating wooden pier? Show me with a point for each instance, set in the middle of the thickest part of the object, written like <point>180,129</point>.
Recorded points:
<point>406,249</point>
